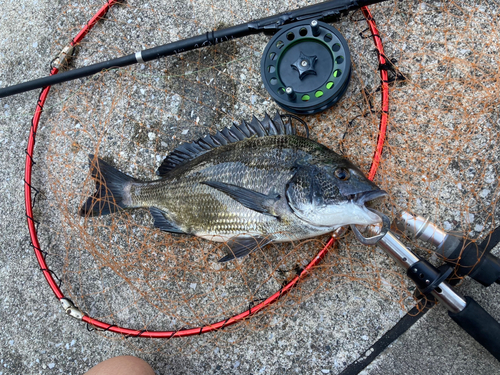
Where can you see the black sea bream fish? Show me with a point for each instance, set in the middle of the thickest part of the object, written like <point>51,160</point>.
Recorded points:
<point>248,185</point>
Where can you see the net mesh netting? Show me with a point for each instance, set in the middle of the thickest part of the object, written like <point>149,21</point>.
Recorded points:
<point>441,157</point>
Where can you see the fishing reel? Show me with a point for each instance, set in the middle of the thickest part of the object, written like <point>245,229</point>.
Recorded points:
<point>306,67</point>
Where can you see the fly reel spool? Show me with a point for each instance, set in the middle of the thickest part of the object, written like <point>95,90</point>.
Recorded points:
<point>306,67</point>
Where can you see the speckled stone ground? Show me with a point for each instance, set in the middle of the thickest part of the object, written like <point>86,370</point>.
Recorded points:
<point>37,338</point>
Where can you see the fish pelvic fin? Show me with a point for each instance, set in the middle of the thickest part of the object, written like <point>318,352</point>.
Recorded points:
<point>111,194</point>
<point>163,223</point>
<point>240,246</point>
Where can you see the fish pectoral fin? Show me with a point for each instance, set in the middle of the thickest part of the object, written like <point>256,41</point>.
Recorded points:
<point>250,199</point>
<point>241,246</point>
<point>163,223</point>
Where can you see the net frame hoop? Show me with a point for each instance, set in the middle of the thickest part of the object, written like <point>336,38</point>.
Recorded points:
<point>32,224</point>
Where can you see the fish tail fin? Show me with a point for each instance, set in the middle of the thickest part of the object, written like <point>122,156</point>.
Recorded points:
<point>111,194</point>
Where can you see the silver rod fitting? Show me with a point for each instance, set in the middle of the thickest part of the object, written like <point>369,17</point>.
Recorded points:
<point>417,227</point>
<point>138,57</point>
<point>453,301</point>
<point>421,228</point>
<point>397,250</point>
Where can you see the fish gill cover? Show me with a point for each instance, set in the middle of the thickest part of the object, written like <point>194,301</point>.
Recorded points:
<point>441,158</point>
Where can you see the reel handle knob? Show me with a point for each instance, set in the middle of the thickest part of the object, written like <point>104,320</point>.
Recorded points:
<point>291,94</point>
<point>315,28</point>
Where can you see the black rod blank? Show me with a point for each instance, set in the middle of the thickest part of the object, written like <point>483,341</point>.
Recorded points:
<point>328,11</point>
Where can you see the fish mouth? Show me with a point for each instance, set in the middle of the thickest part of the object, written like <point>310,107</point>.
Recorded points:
<point>367,196</point>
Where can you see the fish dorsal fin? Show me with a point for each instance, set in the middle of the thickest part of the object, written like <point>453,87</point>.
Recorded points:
<point>189,151</point>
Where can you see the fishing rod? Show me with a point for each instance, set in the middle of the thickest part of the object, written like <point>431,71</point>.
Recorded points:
<point>435,283</point>
<point>328,11</point>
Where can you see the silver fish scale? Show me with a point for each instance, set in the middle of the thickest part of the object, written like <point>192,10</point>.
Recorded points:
<point>260,164</point>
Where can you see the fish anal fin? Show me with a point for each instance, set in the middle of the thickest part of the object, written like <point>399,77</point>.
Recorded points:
<point>240,246</point>
<point>250,199</point>
<point>163,223</point>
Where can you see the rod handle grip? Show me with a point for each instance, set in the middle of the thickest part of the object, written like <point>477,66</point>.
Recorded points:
<point>480,325</point>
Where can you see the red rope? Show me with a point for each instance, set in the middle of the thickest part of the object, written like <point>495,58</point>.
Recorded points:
<point>251,311</point>
<point>29,158</point>
<point>384,92</point>
<point>97,17</point>
<point>27,192</point>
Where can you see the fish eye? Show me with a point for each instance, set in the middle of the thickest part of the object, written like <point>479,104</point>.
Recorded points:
<point>342,174</point>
